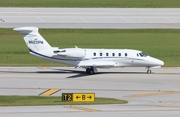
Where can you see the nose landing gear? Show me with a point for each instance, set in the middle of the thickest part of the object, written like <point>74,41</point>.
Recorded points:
<point>148,70</point>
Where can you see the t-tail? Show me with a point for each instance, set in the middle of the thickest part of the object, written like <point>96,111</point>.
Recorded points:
<point>32,38</point>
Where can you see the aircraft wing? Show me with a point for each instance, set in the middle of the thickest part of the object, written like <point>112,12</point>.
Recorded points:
<point>100,64</point>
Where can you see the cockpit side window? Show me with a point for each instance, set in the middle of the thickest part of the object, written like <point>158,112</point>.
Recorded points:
<point>142,54</point>
<point>56,51</point>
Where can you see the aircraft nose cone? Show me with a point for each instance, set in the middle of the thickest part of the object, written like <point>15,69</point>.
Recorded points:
<point>157,62</point>
<point>161,63</point>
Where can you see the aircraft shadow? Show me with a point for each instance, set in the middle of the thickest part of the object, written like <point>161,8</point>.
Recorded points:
<point>78,73</point>
<point>84,74</point>
<point>101,73</point>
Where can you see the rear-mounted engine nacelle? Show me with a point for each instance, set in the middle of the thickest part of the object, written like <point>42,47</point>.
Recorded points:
<point>75,53</point>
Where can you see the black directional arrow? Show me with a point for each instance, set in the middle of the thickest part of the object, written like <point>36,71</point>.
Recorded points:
<point>77,97</point>
<point>89,97</point>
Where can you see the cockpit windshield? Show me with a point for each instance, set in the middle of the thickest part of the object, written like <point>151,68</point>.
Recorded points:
<point>63,51</point>
<point>142,54</point>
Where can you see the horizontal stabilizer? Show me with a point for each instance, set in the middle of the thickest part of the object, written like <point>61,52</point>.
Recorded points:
<point>26,29</point>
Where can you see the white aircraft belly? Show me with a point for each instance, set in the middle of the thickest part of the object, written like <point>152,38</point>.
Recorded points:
<point>96,64</point>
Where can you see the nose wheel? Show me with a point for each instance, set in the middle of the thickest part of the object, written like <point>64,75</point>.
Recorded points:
<point>149,70</point>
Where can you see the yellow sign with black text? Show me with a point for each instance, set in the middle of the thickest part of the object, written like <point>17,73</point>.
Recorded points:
<point>78,97</point>
<point>83,97</point>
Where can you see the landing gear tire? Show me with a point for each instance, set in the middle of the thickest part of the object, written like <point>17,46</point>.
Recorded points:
<point>90,70</point>
<point>148,70</point>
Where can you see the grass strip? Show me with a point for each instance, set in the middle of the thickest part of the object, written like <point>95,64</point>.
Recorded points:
<point>92,3</point>
<point>53,100</point>
<point>160,43</point>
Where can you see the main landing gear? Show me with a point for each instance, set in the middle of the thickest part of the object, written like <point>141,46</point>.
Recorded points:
<point>91,70</point>
<point>149,70</point>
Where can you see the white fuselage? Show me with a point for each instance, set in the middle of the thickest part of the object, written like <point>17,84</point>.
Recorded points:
<point>101,57</point>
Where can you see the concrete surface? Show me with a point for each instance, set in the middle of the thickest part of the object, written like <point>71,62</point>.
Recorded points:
<point>156,94</point>
<point>119,18</point>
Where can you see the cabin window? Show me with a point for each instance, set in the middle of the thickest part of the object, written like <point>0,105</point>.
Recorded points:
<point>100,54</point>
<point>107,54</point>
<point>94,54</point>
<point>119,54</point>
<point>125,54</point>
<point>138,55</point>
<point>113,54</point>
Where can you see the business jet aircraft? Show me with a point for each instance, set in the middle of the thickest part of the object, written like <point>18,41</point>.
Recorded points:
<point>90,59</point>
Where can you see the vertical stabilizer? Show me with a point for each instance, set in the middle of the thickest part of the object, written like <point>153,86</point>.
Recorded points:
<point>33,39</point>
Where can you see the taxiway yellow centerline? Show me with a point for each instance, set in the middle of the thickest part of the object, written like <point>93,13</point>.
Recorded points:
<point>153,94</point>
<point>84,109</point>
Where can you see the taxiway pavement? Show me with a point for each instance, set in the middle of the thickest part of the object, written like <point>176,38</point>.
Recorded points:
<point>119,18</point>
<point>156,94</point>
